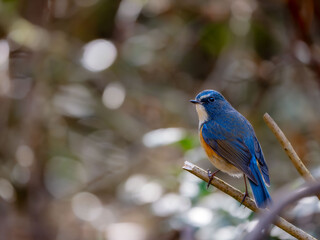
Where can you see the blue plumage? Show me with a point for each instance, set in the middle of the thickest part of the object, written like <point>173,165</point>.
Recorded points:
<point>260,192</point>
<point>230,136</point>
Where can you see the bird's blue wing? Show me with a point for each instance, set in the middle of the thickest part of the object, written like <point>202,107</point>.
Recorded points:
<point>262,163</point>
<point>229,147</point>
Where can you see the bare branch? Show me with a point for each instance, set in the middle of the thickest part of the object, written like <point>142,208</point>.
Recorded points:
<point>295,159</point>
<point>249,203</point>
<point>221,185</point>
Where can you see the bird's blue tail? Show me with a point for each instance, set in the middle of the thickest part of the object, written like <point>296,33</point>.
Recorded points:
<point>260,192</point>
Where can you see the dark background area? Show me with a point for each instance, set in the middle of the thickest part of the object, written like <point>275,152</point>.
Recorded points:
<point>95,119</point>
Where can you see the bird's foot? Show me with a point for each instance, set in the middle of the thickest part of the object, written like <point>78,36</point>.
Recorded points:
<point>210,176</point>
<point>244,197</point>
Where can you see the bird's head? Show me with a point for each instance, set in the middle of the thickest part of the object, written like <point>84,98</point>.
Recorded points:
<point>209,104</point>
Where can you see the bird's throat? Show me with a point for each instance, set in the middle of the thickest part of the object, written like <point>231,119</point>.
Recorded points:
<point>202,114</point>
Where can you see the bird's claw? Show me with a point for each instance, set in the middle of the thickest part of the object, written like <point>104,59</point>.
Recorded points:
<point>244,198</point>
<point>211,176</point>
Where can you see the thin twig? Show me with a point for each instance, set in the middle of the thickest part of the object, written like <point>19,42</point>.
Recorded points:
<point>303,171</point>
<point>301,168</point>
<point>249,203</point>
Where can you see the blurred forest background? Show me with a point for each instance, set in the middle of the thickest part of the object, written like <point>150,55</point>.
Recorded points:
<point>95,119</point>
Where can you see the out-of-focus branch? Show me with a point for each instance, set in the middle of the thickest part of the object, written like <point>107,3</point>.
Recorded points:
<point>269,216</point>
<point>301,168</point>
<point>249,203</point>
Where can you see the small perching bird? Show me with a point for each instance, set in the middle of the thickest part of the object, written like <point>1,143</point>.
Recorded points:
<point>231,144</point>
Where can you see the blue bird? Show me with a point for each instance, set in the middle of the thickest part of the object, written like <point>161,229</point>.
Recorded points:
<point>231,144</point>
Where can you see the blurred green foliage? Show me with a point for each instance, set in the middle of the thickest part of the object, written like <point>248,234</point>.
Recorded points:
<point>263,41</point>
<point>215,37</point>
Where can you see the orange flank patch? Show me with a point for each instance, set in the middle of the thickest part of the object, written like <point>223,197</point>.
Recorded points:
<point>218,161</point>
<point>209,151</point>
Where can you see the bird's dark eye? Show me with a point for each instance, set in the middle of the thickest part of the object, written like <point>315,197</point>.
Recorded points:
<point>210,99</point>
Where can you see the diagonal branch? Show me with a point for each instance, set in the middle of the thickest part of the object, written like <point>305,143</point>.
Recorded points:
<point>286,145</point>
<point>249,203</point>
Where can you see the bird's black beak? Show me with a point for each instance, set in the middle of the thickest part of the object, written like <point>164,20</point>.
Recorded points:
<point>195,101</point>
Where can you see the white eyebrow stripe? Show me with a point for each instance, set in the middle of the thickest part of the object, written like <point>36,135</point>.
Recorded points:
<point>204,96</point>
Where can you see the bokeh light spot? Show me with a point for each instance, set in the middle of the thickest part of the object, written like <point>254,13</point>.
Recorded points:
<point>113,95</point>
<point>189,189</point>
<point>169,204</point>
<point>129,10</point>
<point>302,52</point>
<point>142,191</point>
<point>105,218</point>
<point>241,10</point>
<point>29,35</point>
<point>25,156</point>
<point>199,216</point>
<point>4,52</point>
<point>227,233</point>
<point>163,136</point>
<point>150,192</point>
<point>86,206</point>
<point>6,190</point>
<point>98,55</point>
<point>121,231</point>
